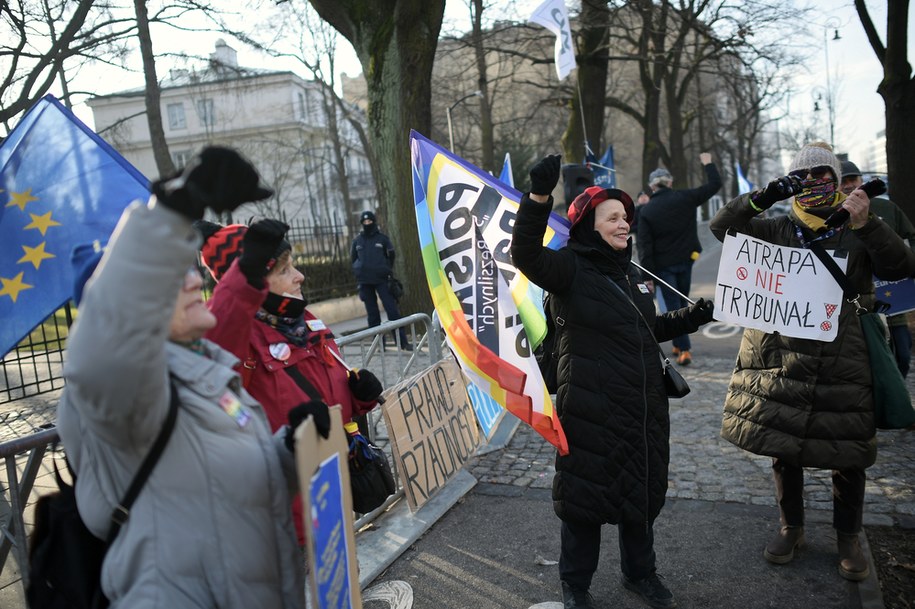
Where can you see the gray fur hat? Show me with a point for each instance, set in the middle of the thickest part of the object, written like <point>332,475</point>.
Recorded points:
<point>817,154</point>
<point>660,176</point>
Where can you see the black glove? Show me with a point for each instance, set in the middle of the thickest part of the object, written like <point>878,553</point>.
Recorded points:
<point>364,385</point>
<point>777,190</point>
<point>218,178</point>
<point>259,246</point>
<point>545,175</point>
<point>317,410</point>
<point>701,311</point>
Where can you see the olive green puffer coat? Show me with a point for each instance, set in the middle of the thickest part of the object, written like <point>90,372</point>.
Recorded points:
<point>805,401</point>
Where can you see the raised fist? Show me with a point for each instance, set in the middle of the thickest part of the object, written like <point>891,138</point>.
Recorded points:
<point>545,175</point>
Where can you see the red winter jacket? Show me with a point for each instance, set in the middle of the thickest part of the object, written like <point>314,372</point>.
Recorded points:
<point>234,303</point>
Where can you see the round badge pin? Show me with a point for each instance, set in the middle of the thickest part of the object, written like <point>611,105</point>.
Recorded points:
<point>280,351</point>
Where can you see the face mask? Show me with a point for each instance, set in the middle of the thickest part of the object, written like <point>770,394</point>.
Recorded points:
<point>816,192</point>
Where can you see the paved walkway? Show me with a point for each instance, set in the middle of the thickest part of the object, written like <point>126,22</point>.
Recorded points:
<point>704,466</point>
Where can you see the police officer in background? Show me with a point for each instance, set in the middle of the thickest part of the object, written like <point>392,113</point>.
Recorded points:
<point>892,214</point>
<point>372,255</point>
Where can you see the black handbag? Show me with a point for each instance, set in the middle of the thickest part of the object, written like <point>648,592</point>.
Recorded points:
<point>892,401</point>
<point>674,383</point>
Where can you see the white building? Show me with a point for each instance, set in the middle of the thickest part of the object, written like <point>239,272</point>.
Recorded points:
<point>277,119</point>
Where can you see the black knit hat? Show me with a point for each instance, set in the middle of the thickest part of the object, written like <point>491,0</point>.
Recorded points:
<point>366,215</point>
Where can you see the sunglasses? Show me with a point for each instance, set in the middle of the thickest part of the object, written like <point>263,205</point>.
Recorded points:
<point>816,173</point>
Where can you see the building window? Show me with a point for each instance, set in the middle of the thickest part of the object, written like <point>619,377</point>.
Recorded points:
<point>302,106</point>
<point>206,113</point>
<point>180,158</point>
<point>176,118</point>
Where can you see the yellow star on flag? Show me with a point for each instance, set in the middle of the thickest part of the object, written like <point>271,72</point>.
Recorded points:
<point>21,199</point>
<point>42,222</point>
<point>12,287</point>
<point>888,293</point>
<point>35,255</point>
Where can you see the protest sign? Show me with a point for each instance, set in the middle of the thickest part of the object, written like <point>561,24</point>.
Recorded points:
<point>433,432</point>
<point>776,288</point>
<point>333,580</point>
<point>900,295</point>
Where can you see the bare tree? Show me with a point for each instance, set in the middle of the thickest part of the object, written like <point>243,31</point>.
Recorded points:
<point>395,41</point>
<point>898,92</point>
<point>41,41</point>
<point>153,108</point>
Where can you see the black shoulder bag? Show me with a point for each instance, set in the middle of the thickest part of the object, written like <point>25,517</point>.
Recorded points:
<point>892,402</point>
<point>674,383</point>
<point>65,559</point>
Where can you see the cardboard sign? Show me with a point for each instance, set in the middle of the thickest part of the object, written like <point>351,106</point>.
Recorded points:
<point>432,429</point>
<point>333,580</point>
<point>776,288</point>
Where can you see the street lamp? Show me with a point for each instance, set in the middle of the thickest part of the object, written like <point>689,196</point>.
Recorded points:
<point>452,107</point>
<point>833,24</point>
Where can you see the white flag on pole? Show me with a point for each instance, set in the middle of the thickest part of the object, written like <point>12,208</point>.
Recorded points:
<point>552,15</point>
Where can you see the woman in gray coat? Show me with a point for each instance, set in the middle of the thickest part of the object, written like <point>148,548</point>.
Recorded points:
<point>804,402</point>
<point>212,525</point>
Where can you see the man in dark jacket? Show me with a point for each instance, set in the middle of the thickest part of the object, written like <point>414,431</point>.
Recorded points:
<point>889,212</point>
<point>372,254</point>
<point>667,238</point>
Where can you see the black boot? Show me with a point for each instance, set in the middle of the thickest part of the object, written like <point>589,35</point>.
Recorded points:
<point>576,598</point>
<point>652,591</point>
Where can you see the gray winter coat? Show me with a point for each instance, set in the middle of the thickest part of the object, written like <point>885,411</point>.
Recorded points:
<point>212,526</point>
<point>805,401</point>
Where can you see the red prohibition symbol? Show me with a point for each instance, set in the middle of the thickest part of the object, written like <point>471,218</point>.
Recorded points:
<point>741,273</point>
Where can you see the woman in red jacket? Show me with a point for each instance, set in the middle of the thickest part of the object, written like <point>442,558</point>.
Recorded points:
<point>287,354</point>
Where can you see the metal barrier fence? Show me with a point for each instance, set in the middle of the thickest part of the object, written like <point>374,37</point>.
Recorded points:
<point>25,457</point>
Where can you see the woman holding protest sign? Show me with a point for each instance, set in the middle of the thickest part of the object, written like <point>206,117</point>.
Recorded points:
<point>805,402</point>
<point>611,398</point>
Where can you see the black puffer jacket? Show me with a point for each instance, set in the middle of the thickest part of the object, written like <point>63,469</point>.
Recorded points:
<point>667,223</point>
<point>611,398</point>
<point>805,401</point>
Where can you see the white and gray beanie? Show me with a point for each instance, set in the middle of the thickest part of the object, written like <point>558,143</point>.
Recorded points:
<point>817,154</point>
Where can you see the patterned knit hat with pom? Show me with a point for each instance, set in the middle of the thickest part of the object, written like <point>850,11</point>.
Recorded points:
<point>221,245</point>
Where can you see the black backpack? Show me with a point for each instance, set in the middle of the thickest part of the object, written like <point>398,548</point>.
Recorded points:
<point>546,354</point>
<point>65,558</point>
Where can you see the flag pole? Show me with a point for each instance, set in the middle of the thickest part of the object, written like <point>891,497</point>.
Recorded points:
<point>678,292</point>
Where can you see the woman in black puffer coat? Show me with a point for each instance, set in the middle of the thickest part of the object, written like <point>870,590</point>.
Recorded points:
<point>611,398</point>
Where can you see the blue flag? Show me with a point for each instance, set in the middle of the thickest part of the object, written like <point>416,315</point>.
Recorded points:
<point>743,184</point>
<point>603,170</point>
<point>506,176</point>
<point>60,185</point>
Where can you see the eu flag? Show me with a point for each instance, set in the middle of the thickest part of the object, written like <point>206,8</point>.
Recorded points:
<point>60,185</point>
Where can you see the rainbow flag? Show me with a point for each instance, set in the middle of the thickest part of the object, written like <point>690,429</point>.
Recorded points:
<point>492,315</point>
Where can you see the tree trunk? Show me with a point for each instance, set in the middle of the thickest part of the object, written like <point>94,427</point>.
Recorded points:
<point>395,41</point>
<point>153,107</point>
<point>898,92</point>
<point>592,83</point>
<point>486,128</point>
